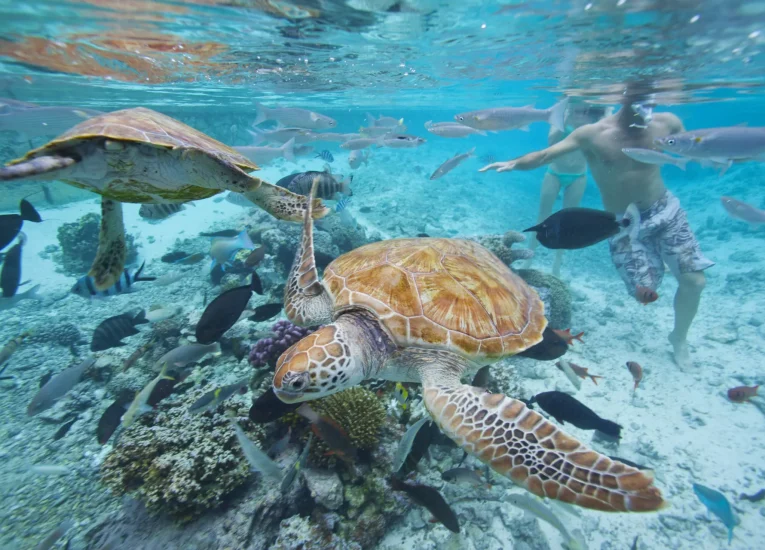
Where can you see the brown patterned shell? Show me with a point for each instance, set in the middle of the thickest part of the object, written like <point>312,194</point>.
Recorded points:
<point>440,293</point>
<point>141,125</point>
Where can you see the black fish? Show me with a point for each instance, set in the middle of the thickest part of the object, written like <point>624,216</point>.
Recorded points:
<point>63,430</point>
<point>550,348</point>
<point>572,228</point>
<point>222,233</point>
<point>172,257</point>
<point>159,211</point>
<point>326,155</point>
<point>10,224</point>
<point>45,378</point>
<point>268,408</point>
<point>163,389</point>
<point>756,497</point>
<point>224,311</point>
<point>422,441</point>
<point>423,235</point>
<point>431,499</point>
<point>564,408</point>
<point>10,276</point>
<point>112,417</point>
<point>266,311</point>
<point>482,377</point>
<point>301,183</point>
<point>216,274</point>
<point>28,212</point>
<point>630,463</point>
<point>110,332</point>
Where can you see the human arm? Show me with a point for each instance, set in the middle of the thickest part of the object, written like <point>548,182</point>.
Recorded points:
<point>536,159</point>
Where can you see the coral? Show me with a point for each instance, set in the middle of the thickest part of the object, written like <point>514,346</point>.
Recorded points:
<point>359,412</point>
<point>79,242</point>
<point>554,293</point>
<point>345,236</point>
<point>267,351</point>
<point>64,334</point>
<point>179,464</point>
<point>298,533</point>
<point>501,246</point>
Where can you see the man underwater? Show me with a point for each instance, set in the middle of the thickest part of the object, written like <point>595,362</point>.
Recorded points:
<point>665,236</point>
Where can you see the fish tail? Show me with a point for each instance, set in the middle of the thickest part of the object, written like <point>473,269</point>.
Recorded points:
<point>257,135</point>
<point>261,114</point>
<point>244,240</point>
<point>288,150</point>
<point>137,277</point>
<point>630,223</point>
<point>593,377</point>
<point>558,115</point>
<point>579,337</point>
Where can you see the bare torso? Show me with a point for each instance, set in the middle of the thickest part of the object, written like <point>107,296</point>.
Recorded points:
<point>620,179</point>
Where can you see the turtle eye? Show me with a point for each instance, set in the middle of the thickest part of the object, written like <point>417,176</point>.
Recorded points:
<point>296,383</point>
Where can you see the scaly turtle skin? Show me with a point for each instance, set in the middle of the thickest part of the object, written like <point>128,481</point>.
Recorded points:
<point>141,156</point>
<point>430,311</point>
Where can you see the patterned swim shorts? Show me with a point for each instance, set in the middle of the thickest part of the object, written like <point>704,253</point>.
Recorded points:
<point>664,237</point>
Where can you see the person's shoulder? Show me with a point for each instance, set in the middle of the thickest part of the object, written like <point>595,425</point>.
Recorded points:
<point>671,120</point>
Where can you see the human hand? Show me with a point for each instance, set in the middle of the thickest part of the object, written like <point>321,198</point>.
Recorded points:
<point>499,166</point>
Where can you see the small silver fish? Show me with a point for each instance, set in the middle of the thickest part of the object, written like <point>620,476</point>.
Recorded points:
<point>58,386</point>
<point>649,156</point>
<point>514,118</point>
<point>452,129</point>
<point>359,143</point>
<point>212,399</point>
<point>384,121</point>
<point>264,155</point>
<point>259,461</point>
<point>139,406</point>
<point>743,211</point>
<point>186,354</point>
<point>722,145</point>
<point>451,164</point>
<point>294,118</point>
<point>401,141</point>
<point>280,135</point>
<point>464,475</point>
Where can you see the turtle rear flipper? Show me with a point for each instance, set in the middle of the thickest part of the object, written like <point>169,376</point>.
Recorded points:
<point>112,250</point>
<point>38,168</point>
<point>283,204</point>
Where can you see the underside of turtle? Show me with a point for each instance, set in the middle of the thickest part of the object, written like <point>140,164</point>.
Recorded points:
<point>431,311</point>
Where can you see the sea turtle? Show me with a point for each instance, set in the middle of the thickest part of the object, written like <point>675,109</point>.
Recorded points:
<point>433,310</point>
<point>141,156</point>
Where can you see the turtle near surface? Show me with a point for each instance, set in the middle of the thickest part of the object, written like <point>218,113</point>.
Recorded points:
<point>430,311</point>
<point>141,156</point>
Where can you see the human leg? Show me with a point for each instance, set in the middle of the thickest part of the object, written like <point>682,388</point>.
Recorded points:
<point>687,298</point>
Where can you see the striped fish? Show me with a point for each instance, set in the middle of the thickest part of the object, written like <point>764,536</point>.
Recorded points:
<point>110,332</point>
<point>301,183</point>
<point>325,155</point>
<point>85,286</point>
<point>342,204</point>
<point>159,211</point>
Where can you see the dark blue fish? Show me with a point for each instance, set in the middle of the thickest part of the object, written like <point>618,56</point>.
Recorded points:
<point>86,287</point>
<point>325,155</point>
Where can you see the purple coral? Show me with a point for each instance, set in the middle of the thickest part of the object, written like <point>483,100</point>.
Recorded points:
<point>267,351</point>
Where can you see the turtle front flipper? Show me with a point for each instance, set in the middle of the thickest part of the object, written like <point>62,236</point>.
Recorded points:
<point>518,443</point>
<point>284,204</point>
<point>112,250</point>
<point>35,168</point>
<point>306,302</point>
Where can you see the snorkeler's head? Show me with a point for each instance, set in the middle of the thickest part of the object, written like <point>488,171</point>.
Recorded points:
<point>580,113</point>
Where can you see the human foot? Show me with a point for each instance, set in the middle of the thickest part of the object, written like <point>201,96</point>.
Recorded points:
<point>681,352</point>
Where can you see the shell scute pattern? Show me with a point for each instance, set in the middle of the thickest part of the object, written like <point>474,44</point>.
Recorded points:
<point>143,125</point>
<point>440,293</point>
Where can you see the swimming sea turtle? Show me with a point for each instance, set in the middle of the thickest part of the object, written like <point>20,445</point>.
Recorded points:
<point>141,156</point>
<point>431,310</point>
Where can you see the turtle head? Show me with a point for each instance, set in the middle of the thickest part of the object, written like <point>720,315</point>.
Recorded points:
<point>322,363</point>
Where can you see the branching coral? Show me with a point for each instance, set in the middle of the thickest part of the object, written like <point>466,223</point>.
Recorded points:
<point>177,463</point>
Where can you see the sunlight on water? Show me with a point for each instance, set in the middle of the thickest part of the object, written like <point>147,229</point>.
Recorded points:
<point>557,203</point>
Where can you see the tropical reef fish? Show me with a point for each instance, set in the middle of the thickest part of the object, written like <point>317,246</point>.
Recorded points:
<point>550,348</point>
<point>583,372</point>
<point>327,187</point>
<point>568,337</point>
<point>330,432</point>
<point>186,354</point>
<point>223,249</point>
<point>265,312</point>
<point>58,386</point>
<point>756,497</point>
<point>259,461</point>
<point>54,536</point>
<point>425,436</point>
<point>466,476</point>
<point>357,158</point>
<point>429,498</point>
<point>482,377</point>
<point>511,118</point>
<point>159,211</point>
<point>636,371</point>
<point>10,275</point>
<point>110,332</point>
<point>268,407</point>
<point>296,468</point>
<point>402,395</point>
<point>326,155</point>
<point>342,204</point>
<point>212,399</point>
<point>86,286</point>
<point>405,445</point>
<point>716,503</point>
<point>742,394</point>
<point>452,129</point>
<point>645,295</point>
<point>537,509</point>
<point>451,164</point>
<point>264,155</point>
<point>742,211</point>
<point>565,367</point>
<point>575,227</point>
<point>400,141</point>
<point>293,118</point>
<point>721,145</point>
<point>256,256</point>
<point>140,403</point>
<point>10,224</point>
<point>280,135</point>
<point>11,347</point>
<point>224,311</point>
<point>111,418</point>
<point>649,156</point>
<point>564,408</point>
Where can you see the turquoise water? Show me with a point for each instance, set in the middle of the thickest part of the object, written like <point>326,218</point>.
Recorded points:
<point>174,479</point>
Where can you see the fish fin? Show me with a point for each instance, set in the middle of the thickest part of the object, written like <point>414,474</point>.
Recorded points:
<point>524,128</point>
<point>244,241</point>
<point>632,227</point>
<point>257,136</point>
<point>137,277</point>
<point>428,124</point>
<point>288,150</point>
<point>558,115</point>
<point>140,319</point>
<point>314,117</point>
<point>261,114</point>
<point>535,228</point>
<point>682,163</point>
